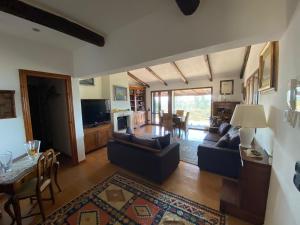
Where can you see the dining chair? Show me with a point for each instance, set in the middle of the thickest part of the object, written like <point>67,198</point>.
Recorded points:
<point>34,188</point>
<point>184,124</point>
<point>161,114</point>
<point>168,123</point>
<point>180,112</point>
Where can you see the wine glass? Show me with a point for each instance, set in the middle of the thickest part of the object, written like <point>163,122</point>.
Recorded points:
<point>6,161</point>
<point>32,148</point>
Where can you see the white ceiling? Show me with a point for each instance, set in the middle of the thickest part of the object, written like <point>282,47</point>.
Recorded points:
<point>223,64</point>
<point>16,26</point>
<point>102,16</point>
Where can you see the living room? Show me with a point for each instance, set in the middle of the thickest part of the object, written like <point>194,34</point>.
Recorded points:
<point>183,194</point>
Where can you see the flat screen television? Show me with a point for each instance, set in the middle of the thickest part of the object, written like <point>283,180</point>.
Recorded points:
<point>95,111</point>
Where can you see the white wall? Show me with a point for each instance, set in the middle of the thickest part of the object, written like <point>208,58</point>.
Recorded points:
<point>91,91</point>
<point>104,88</point>
<point>17,53</point>
<point>281,139</point>
<point>237,96</point>
<point>165,32</point>
<point>119,79</point>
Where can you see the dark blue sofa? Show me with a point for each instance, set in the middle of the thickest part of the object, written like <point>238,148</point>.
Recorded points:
<point>219,152</point>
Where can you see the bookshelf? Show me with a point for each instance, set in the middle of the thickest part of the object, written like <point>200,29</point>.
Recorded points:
<point>138,105</point>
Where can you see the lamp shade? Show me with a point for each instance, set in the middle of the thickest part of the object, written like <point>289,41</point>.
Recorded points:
<point>249,116</point>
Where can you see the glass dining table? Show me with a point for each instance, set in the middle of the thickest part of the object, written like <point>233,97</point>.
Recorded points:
<point>23,169</point>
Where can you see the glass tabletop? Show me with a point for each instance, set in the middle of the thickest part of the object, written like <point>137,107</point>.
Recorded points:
<point>19,168</point>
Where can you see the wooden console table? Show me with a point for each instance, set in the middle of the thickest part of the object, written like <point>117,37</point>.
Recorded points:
<point>246,198</point>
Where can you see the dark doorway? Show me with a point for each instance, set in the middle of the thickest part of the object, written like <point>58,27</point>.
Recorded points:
<point>48,111</point>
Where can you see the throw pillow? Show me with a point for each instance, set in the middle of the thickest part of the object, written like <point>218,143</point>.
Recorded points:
<point>164,140</point>
<point>129,130</point>
<point>233,130</point>
<point>122,136</point>
<point>223,128</point>
<point>152,143</point>
<point>223,142</point>
<point>234,141</point>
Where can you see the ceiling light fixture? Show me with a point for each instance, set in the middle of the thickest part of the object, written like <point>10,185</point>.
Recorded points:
<point>36,29</point>
<point>188,7</point>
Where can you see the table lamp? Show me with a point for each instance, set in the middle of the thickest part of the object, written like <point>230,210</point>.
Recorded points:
<point>248,117</point>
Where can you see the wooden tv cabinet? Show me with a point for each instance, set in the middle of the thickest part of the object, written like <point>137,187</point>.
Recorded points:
<point>97,137</point>
<point>246,198</point>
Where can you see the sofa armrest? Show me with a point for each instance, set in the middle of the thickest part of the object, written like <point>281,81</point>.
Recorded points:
<point>168,149</point>
<point>214,130</point>
<point>223,161</point>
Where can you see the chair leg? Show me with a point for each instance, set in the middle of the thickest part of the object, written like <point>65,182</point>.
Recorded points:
<point>17,210</point>
<point>52,193</point>
<point>56,167</point>
<point>8,210</point>
<point>39,199</point>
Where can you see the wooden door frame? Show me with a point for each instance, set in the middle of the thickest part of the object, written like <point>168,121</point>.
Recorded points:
<point>24,74</point>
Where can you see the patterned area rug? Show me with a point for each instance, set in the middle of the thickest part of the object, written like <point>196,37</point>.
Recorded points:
<point>124,200</point>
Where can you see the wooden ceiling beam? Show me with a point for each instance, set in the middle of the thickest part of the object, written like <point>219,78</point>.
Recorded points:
<point>155,75</point>
<point>138,80</point>
<point>207,61</point>
<point>245,61</point>
<point>183,77</point>
<point>37,15</point>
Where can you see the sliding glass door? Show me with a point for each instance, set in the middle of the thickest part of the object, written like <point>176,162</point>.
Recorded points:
<point>160,103</point>
<point>197,102</point>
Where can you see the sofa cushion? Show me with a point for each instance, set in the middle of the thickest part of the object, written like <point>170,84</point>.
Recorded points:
<point>129,130</point>
<point>152,143</point>
<point>223,128</point>
<point>233,130</point>
<point>122,136</point>
<point>234,141</point>
<point>212,137</point>
<point>164,140</point>
<point>223,142</point>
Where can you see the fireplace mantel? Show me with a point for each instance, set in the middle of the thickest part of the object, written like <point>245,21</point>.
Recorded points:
<point>115,116</point>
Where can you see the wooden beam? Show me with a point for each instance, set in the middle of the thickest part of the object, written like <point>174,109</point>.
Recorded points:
<point>206,59</point>
<point>246,57</point>
<point>138,80</point>
<point>180,72</point>
<point>155,75</point>
<point>36,15</point>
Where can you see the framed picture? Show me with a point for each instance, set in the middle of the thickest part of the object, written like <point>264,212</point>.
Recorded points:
<point>252,91</point>
<point>88,82</point>
<point>226,87</point>
<point>7,104</point>
<point>268,67</point>
<point>120,93</point>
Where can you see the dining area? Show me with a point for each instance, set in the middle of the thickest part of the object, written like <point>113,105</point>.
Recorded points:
<point>32,177</point>
<point>176,123</point>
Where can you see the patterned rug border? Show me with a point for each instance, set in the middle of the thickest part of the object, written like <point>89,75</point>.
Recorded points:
<point>157,188</point>
<point>142,181</point>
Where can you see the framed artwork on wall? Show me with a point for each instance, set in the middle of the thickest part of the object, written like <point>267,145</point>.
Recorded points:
<point>88,82</point>
<point>252,91</point>
<point>7,104</point>
<point>226,87</point>
<point>120,93</point>
<point>268,67</point>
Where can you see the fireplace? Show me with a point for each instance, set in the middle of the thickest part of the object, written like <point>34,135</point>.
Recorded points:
<point>122,122</point>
